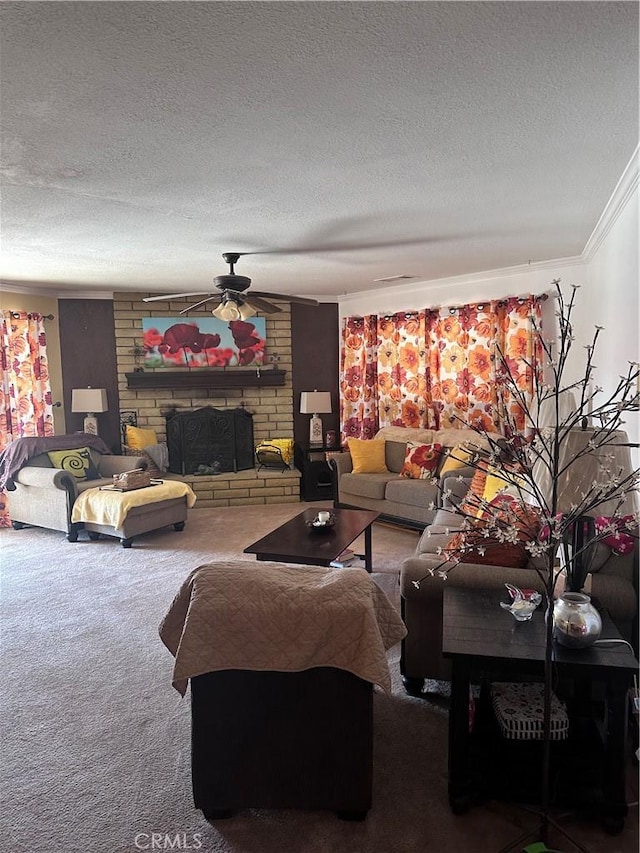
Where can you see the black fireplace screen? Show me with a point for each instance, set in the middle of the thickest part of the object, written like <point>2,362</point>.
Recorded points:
<point>210,440</point>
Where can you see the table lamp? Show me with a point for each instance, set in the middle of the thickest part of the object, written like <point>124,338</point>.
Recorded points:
<point>91,401</point>
<point>315,403</point>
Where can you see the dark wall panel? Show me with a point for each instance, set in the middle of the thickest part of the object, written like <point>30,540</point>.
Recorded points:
<point>315,335</point>
<point>88,351</point>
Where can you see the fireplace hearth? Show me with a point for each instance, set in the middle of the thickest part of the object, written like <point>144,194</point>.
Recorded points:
<point>218,439</point>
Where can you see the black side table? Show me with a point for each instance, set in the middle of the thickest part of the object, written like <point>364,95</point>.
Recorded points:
<point>485,643</point>
<point>316,483</point>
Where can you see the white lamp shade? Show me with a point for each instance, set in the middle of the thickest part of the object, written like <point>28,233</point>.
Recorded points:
<point>315,402</point>
<point>89,400</point>
<point>596,465</point>
<point>544,416</point>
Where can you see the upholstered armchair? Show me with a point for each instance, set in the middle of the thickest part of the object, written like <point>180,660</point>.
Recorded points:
<point>42,495</point>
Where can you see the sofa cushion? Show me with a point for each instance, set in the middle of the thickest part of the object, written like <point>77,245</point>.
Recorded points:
<point>421,461</point>
<point>370,486</point>
<point>77,462</point>
<point>422,493</point>
<point>434,539</point>
<point>367,456</point>
<point>394,453</point>
<point>404,434</point>
<point>444,524</point>
<point>450,436</point>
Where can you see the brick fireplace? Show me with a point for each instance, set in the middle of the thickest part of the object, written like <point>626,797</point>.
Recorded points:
<point>271,408</point>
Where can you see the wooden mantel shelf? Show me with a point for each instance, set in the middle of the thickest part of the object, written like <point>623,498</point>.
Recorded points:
<point>239,378</point>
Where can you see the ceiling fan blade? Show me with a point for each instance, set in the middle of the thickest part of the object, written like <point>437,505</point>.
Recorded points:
<point>339,246</point>
<point>303,300</point>
<point>166,296</point>
<point>198,304</point>
<point>260,304</point>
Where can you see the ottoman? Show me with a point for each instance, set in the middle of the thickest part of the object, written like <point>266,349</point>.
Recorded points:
<point>129,514</point>
<point>274,740</point>
<point>282,660</point>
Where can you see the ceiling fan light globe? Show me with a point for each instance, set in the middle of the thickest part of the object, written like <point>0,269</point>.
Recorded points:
<point>246,311</point>
<point>224,311</point>
<point>228,310</point>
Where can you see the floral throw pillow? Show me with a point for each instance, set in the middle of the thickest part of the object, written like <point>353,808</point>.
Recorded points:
<point>421,461</point>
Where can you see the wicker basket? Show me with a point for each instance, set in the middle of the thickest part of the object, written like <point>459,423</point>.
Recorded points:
<point>135,479</point>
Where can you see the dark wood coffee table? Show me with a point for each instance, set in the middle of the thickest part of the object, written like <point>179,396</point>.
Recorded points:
<point>484,642</point>
<point>294,542</point>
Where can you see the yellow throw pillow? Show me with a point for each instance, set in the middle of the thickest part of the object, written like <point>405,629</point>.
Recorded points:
<point>77,462</point>
<point>500,481</point>
<point>458,457</point>
<point>138,439</point>
<point>367,456</point>
<point>494,484</point>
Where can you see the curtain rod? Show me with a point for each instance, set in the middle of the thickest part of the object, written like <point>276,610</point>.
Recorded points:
<point>16,315</point>
<point>452,309</point>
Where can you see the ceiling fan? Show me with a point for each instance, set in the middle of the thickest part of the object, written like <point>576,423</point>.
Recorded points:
<point>234,303</point>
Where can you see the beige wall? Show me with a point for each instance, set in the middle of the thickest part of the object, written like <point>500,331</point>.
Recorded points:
<point>10,301</point>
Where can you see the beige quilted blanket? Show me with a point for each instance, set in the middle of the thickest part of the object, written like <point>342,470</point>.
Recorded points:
<point>272,616</point>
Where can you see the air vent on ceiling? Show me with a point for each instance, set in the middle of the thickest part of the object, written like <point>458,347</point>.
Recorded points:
<point>394,278</point>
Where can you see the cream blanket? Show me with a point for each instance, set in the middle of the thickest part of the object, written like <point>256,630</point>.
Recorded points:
<point>271,616</point>
<point>110,508</point>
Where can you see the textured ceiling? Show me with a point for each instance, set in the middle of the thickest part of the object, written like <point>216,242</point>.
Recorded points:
<point>143,139</point>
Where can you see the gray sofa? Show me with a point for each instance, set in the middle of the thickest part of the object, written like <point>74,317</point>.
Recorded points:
<point>613,585</point>
<point>413,503</point>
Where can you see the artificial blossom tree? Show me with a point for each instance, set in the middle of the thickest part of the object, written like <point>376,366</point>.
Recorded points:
<point>573,463</point>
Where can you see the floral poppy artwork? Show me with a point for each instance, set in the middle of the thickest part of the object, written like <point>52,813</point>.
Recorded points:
<point>206,342</point>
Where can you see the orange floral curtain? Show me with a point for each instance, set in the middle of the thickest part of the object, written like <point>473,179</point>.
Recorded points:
<point>358,377</point>
<point>442,367</point>
<point>461,366</point>
<point>402,370</point>
<point>520,353</point>
<point>25,390</point>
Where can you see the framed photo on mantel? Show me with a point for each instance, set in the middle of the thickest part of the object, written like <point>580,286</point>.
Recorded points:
<point>206,342</point>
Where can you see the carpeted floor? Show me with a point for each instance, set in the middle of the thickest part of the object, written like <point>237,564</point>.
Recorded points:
<point>96,741</point>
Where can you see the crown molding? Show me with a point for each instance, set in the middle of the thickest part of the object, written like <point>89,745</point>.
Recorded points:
<point>420,287</point>
<point>34,289</point>
<point>85,294</point>
<point>621,194</point>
